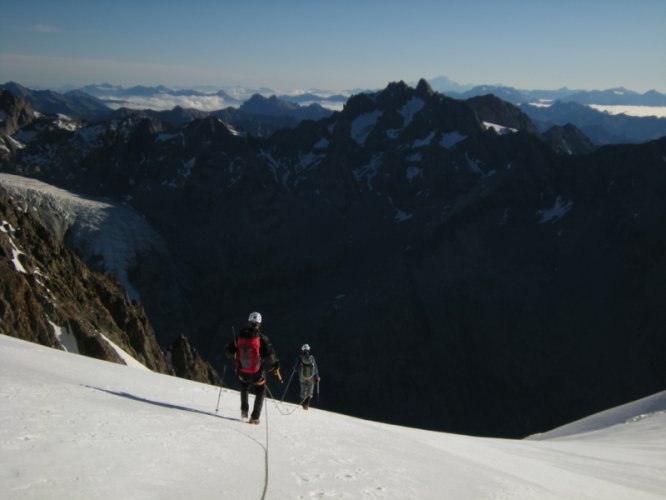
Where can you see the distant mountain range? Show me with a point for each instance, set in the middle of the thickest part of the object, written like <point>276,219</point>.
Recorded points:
<point>602,128</point>
<point>261,113</point>
<point>74,103</point>
<point>495,278</point>
<point>614,96</point>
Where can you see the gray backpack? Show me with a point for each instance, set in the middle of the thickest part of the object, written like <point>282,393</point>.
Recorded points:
<point>307,367</point>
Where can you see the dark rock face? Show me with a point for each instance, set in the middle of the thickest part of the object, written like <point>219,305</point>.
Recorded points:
<point>45,283</point>
<point>188,364</point>
<point>489,278</point>
<point>45,288</point>
<point>494,110</point>
<point>568,140</point>
<point>18,113</point>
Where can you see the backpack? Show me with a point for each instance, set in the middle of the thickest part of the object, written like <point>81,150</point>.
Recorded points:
<point>306,369</point>
<point>248,354</point>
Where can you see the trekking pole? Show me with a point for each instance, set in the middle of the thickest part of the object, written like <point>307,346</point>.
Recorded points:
<point>224,372</point>
<point>218,401</point>
<point>286,388</point>
<point>233,341</point>
<point>317,391</point>
<point>221,385</point>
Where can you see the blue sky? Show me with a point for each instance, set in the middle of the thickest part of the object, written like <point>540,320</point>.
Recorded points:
<point>336,45</point>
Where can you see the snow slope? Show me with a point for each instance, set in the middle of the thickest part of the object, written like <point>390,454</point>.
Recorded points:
<point>73,427</point>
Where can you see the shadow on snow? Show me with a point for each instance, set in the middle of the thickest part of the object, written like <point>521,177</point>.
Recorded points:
<point>161,404</point>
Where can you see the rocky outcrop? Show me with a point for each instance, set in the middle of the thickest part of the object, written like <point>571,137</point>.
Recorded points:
<point>49,296</point>
<point>188,364</point>
<point>47,292</point>
<point>17,113</point>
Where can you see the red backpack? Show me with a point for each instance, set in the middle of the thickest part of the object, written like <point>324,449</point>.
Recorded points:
<point>248,357</point>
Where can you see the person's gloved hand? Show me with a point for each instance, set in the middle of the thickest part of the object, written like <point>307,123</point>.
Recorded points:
<point>317,379</point>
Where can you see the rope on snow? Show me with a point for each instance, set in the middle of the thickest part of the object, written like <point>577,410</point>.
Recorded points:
<point>263,495</point>
<point>281,412</point>
<point>277,404</point>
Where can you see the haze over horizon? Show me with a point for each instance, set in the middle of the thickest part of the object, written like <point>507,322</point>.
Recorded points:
<point>339,46</point>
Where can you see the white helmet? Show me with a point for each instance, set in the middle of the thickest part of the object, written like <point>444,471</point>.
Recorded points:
<point>255,317</point>
<point>305,347</point>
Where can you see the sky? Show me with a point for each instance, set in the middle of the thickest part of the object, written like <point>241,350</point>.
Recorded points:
<point>75,427</point>
<point>341,45</point>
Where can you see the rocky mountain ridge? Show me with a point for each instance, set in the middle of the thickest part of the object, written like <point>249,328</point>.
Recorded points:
<point>74,103</point>
<point>424,245</point>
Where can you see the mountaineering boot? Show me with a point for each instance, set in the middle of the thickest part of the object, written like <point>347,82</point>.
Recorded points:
<point>254,416</point>
<point>306,403</point>
<point>243,414</point>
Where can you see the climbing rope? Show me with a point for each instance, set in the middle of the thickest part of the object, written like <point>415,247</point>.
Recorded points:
<point>281,412</point>
<point>263,494</point>
<point>287,388</point>
<point>278,403</point>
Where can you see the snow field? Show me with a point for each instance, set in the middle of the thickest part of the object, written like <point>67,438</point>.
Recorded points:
<point>73,427</point>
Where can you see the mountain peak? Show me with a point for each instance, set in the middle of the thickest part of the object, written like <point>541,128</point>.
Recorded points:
<point>492,109</point>
<point>267,106</point>
<point>423,88</point>
<point>396,87</point>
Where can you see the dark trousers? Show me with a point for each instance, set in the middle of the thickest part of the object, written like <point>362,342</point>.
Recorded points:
<point>250,383</point>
